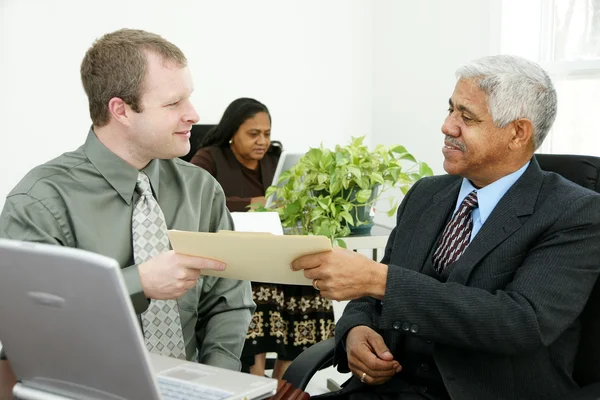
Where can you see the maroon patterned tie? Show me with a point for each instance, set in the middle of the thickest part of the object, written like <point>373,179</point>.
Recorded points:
<point>457,234</point>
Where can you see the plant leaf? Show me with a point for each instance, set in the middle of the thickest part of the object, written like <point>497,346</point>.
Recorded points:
<point>425,170</point>
<point>377,177</point>
<point>322,178</point>
<point>362,196</point>
<point>340,243</point>
<point>355,171</point>
<point>398,149</point>
<point>414,177</point>
<point>270,191</point>
<point>408,157</point>
<point>392,211</point>
<point>347,217</point>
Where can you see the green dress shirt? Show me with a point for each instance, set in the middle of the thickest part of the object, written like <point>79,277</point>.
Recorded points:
<point>85,199</point>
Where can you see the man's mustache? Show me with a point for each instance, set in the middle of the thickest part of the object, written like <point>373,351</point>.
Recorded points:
<point>454,142</point>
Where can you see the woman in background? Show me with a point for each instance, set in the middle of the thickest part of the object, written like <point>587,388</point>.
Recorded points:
<point>239,153</point>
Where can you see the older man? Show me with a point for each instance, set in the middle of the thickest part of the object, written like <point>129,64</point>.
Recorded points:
<point>119,193</point>
<point>486,273</point>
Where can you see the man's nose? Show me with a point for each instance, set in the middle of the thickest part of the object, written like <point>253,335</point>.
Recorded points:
<point>449,127</point>
<point>191,115</point>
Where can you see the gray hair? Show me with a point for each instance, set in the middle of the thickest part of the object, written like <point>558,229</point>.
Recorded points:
<point>516,88</point>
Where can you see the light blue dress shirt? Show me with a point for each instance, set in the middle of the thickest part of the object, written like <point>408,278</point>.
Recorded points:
<point>487,197</point>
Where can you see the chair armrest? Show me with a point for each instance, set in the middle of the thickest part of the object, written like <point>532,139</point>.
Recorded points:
<point>589,392</point>
<point>311,360</point>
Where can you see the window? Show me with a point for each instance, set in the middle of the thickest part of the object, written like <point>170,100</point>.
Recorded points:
<point>564,37</point>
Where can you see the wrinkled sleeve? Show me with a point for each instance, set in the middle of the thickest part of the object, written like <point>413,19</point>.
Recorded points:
<point>32,220</point>
<point>42,221</point>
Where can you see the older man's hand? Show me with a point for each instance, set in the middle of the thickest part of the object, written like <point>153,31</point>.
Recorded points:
<point>369,359</point>
<point>343,274</point>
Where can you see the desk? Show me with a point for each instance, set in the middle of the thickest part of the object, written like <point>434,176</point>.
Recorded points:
<point>375,240</point>
<point>7,380</point>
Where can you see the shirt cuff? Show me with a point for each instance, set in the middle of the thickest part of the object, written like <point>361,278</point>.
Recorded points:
<point>134,286</point>
<point>217,359</point>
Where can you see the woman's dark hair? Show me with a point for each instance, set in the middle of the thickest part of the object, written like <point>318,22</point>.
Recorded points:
<point>234,116</point>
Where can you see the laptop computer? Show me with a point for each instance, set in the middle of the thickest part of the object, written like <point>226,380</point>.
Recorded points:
<point>286,161</point>
<point>69,330</point>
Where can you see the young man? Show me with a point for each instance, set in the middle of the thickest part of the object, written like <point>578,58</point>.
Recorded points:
<point>485,276</point>
<point>118,194</point>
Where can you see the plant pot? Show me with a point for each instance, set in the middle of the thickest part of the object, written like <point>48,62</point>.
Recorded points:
<point>365,212</point>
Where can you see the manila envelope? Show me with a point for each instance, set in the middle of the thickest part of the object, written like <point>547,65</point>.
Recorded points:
<point>250,256</point>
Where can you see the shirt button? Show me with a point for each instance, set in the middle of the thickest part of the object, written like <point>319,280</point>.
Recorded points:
<point>414,328</point>
<point>424,389</point>
<point>406,327</point>
<point>397,325</point>
<point>425,367</point>
<point>429,341</point>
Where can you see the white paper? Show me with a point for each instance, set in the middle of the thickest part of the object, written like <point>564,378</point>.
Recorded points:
<point>267,222</point>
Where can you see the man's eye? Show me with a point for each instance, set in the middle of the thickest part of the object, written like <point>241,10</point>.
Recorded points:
<point>174,104</point>
<point>467,119</point>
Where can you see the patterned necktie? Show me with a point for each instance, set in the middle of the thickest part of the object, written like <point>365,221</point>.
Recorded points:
<point>161,322</point>
<point>457,234</point>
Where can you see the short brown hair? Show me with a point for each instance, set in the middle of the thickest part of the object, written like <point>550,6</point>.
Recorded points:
<point>115,66</point>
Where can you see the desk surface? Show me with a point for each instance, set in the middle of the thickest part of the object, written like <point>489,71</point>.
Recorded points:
<point>377,239</point>
<point>376,231</point>
<point>7,380</point>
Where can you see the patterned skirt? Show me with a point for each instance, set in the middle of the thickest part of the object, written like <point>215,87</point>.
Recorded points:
<point>288,319</point>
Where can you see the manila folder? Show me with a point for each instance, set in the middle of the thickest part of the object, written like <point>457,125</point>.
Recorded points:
<point>250,256</point>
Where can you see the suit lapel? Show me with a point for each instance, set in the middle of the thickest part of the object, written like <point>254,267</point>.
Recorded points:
<point>431,222</point>
<point>505,220</point>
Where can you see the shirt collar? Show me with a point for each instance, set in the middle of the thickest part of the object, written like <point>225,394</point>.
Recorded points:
<point>121,175</point>
<point>489,196</point>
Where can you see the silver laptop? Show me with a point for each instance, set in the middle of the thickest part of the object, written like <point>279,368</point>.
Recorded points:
<point>286,161</point>
<point>69,331</point>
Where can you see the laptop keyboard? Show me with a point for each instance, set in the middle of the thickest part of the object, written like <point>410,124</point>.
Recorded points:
<point>171,389</point>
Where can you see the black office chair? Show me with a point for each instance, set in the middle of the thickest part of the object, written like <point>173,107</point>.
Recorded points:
<point>583,170</point>
<point>198,133</point>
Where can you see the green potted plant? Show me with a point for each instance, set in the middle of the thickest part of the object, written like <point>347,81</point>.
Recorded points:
<point>333,193</point>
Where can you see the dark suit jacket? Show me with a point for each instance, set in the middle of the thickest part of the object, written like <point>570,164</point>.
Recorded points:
<point>505,324</point>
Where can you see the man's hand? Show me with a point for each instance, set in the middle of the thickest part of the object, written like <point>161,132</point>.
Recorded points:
<point>169,275</point>
<point>344,274</point>
<point>369,359</point>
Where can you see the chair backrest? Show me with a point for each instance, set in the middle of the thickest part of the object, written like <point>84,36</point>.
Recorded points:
<point>585,171</point>
<point>197,134</point>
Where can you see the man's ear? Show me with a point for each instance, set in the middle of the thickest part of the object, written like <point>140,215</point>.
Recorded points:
<point>522,134</point>
<point>119,110</point>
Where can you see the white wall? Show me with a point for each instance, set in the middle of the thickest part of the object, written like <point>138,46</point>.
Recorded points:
<point>327,69</point>
<point>309,61</point>
<point>417,46</point>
